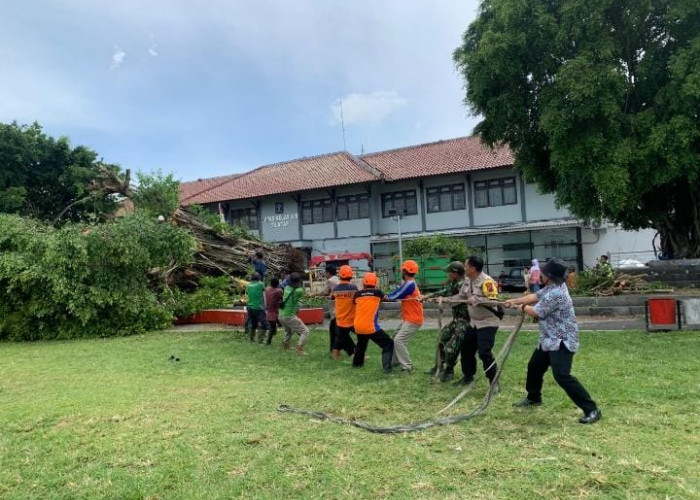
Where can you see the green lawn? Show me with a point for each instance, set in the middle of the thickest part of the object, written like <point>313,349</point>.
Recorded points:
<point>116,419</point>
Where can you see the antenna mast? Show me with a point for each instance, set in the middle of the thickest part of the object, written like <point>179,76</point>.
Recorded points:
<point>342,124</point>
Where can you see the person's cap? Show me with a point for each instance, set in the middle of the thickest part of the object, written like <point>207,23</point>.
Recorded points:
<point>410,266</point>
<point>555,270</point>
<point>455,267</point>
<point>346,273</point>
<point>295,277</point>
<point>256,277</point>
<point>370,279</point>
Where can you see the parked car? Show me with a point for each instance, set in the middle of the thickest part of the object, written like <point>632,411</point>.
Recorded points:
<point>514,281</point>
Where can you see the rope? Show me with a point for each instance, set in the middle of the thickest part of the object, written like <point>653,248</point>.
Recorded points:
<point>436,421</point>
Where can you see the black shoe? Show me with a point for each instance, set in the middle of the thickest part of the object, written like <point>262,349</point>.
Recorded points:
<point>447,376</point>
<point>464,381</point>
<point>526,403</point>
<point>591,417</point>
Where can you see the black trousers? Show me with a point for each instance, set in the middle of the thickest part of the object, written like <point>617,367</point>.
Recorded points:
<point>481,341</point>
<point>257,320</point>
<point>560,361</point>
<point>332,326</point>
<point>272,331</point>
<point>343,341</point>
<point>382,340</point>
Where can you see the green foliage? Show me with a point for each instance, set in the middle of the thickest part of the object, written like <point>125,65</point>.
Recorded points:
<point>87,280</point>
<point>212,293</point>
<point>599,103</point>
<point>594,278</point>
<point>157,194</point>
<point>439,246</point>
<point>40,176</point>
<point>309,301</point>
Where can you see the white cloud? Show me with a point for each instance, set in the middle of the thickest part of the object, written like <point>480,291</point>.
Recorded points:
<point>371,108</point>
<point>117,58</point>
<point>152,51</point>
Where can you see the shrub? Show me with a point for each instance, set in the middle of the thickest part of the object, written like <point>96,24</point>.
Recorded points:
<point>87,280</point>
<point>439,246</point>
<point>212,293</point>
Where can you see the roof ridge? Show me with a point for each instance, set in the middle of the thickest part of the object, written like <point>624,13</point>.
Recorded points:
<point>225,179</point>
<point>415,146</point>
<point>366,166</point>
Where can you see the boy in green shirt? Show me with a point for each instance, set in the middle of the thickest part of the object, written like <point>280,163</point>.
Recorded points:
<point>256,308</point>
<point>288,314</point>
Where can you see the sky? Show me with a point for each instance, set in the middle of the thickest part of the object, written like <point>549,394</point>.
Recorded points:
<point>207,88</point>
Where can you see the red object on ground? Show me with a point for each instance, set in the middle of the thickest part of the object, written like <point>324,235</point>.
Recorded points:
<point>238,317</point>
<point>225,316</point>
<point>662,312</point>
<point>311,316</point>
<point>317,259</point>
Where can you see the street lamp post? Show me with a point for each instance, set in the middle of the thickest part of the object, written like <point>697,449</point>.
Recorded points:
<point>397,217</point>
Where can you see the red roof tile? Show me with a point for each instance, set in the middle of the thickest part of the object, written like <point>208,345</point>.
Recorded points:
<point>193,188</point>
<point>454,156</point>
<point>325,171</point>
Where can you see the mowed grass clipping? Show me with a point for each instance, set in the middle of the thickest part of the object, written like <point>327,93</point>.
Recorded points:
<point>117,419</point>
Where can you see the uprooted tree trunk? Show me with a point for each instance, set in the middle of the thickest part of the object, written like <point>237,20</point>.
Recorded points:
<point>224,254</point>
<point>679,230</point>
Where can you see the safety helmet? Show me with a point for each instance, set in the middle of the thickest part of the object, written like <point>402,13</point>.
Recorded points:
<point>410,266</point>
<point>370,279</point>
<point>345,272</point>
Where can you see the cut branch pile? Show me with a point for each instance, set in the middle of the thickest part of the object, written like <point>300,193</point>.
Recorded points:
<point>620,284</point>
<point>226,254</point>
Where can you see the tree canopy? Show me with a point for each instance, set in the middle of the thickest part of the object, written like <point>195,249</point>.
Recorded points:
<point>41,176</point>
<point>600,102</point>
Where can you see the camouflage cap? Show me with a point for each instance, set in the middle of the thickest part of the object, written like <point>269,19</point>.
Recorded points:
<point>455,267</point>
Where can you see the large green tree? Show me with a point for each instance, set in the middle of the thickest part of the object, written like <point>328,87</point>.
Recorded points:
<point>47,178</point>
<point>599,101</point>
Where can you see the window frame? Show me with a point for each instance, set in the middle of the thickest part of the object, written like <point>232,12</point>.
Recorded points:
<point>484,187</point>
<point>345,201</point>
<point>249,215</point>
<point>438,191</point>
<point>311,206</point>
<point>395,195</point>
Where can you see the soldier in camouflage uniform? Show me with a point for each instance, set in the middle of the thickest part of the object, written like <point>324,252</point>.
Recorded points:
<point>450,343</point>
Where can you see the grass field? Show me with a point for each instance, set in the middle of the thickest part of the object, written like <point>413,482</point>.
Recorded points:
<point>116,419</point>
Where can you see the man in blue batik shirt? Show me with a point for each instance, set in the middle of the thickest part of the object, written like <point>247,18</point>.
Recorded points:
<point>558,341</point>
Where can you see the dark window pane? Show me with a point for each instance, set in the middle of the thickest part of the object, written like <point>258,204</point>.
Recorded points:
<point>446,201</point>
<point>433,203</point>
<point>364,209</point>
<point>509,193</point>
<point>495,194</point>
<point>307,216</point>
<point>411,206</point>
<point>342,212</point>
<point>458,200</point>
<point>481,199</point>
<point>328,213</point>
<point>353,210</point>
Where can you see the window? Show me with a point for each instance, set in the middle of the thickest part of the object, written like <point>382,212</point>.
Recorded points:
<point>495,193</point>
<point>352,207</point>
<point>403,202</point>
<point>279,208</point>
<point>446,198</point>
<point>317,211</point>
<point>245,217</point>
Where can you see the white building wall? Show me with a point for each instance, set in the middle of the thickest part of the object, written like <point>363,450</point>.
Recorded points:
<point>497,215</point>
<point>618,244</point>
<point>541,206</point>
<point>279,227</point>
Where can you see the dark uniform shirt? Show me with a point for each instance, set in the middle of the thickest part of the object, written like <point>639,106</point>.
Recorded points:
<point>451,288</point>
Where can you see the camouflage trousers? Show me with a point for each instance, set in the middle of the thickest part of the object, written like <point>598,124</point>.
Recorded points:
<point>451,339</point>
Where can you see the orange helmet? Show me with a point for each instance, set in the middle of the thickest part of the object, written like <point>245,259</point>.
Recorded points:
<point>346,272</point>
<point>370,279</point>
<point>410,266</point>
